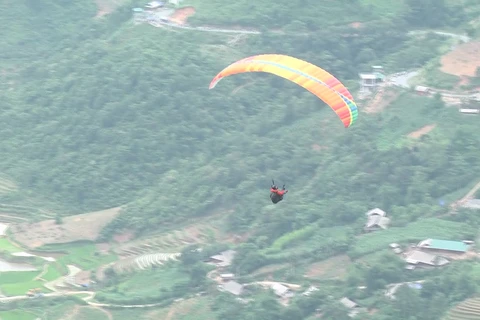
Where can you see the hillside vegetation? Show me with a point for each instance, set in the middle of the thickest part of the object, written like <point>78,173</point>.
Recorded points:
<point>101,113</point>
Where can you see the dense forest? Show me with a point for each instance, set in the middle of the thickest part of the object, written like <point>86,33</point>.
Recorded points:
<point>97,113</point>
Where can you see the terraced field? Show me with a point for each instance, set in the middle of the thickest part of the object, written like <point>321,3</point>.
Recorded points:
<point>17,213</point>
<point>7,185</point>
<point>143,262</point>
<point>170,242</point>
<point>467,310</point>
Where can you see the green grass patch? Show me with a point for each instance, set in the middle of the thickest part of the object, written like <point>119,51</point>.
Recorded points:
<point>21,288</point>
<point>431,76</point>
<point>53,273</point>
<point>141,283</point>
<point>199,309</point>
<point>81,254</point>
<point>88,313</point>
<point>17,315</point>
<point>6,245</point>
<point>419,230</point>
<point>293,237</point>
<point>457,195</point>
<point>319,238</point>
<point>15,277</point>
<point>403,117</point>
<point>148,284</point>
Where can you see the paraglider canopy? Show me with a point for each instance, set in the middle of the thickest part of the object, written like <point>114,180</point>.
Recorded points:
<point>316,80</point>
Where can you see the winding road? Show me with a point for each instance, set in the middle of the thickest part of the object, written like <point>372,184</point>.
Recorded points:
<point>400,79</point>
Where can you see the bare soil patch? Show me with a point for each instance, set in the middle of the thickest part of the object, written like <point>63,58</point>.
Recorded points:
<point>270,269</point>
<point>463,61</point>
<point>422,131</point>
<point>86,226</point>
<point>381,100</point>
<point>356,25</point>
<point>317,147</point>
<point>180,16</point>
<point>197,231</point>
<point>103,247</point>
<point>335,267</point>
<point>123,237</point>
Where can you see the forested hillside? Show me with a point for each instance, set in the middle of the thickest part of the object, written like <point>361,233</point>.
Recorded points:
<point>112,111</point>
<point>98,113</point>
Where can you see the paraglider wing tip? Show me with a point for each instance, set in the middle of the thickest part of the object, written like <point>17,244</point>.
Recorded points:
<point>213,84</point>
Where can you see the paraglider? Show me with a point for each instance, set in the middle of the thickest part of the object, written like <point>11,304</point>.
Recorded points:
<point>316,80</point>
<point>276,195</point>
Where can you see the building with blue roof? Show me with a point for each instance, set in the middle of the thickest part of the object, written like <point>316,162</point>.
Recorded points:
<point>443,246</point>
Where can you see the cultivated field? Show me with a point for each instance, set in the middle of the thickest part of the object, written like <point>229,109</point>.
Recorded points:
<point>467,310</point>
<point>85,226</point>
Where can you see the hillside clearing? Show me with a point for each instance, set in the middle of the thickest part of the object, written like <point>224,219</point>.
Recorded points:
<point>180,16</point>
<point>86,226</point>
<point>332,268</point>
<point>463,61</point>
<point>106,7</point>
<point>202,230</point>
<point>422,131</point>
<point>381,100</point>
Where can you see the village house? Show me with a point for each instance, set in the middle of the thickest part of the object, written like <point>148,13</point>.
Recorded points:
<point>154,5</point>
<point>472,204</point>
<point>309,291</point>
<point>376,220</point>
<point>227,276</point>
<point>232,287</point>
<point>419,259</point>
<point>421,90</point>
<point>469,111</point>
<point>354,308</point>
<point>281,291</point>
<point>223,259</point>
<point>443,247</point>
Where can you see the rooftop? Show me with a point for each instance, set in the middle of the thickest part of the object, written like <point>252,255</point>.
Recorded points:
<point>472,204</point>
<point>348,303</point>
<point>416,257</point>
<point>473,111</point>
<point>380,221</point>
<point>421,89</point>
<point>225,257</point>
<point>233,287</point>
<point>279,289</point>
<point>154,4</point>
<point>376,211</point>
<point>457,246</point>
<point>367,76</point>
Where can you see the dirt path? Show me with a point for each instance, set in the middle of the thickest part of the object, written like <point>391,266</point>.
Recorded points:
<point>74,313</point>
<point>467,197</point>
<point>422,131</point>
<point>41,274</point>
